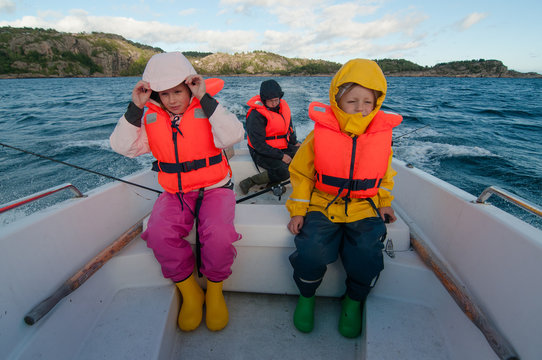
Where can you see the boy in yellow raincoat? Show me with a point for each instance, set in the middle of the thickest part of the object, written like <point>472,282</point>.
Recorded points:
<point>342,181</point>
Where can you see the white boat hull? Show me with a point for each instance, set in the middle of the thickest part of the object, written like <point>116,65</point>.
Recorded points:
<point>128,310</point>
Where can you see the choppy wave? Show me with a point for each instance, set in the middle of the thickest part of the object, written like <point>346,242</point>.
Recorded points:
<point>469,132</point>
<point>428,156</point>
<point>102,144</point>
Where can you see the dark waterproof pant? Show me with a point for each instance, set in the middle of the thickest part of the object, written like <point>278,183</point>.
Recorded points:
<point>321,241</point>
<point>276,168</point>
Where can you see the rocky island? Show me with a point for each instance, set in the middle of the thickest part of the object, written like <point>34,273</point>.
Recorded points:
<point>32,53</point>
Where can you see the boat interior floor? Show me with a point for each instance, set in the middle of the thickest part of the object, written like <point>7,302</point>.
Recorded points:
<point>261,327</point>
<point>128,311</point>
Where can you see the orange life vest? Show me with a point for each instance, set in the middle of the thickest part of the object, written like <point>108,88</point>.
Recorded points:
<point>187,158</point>
<point>278,129</point>
<point>351,167</point>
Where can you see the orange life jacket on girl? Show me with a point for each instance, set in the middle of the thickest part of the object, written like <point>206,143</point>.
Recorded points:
<point>277,131</point>
<point>187,158</point>
<point>351,167</point>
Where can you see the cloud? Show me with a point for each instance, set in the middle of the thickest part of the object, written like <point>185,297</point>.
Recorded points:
<point>313,29</point>
<point>347,27</point>
<point>339,31</point>
<point>246,6</point>
<point>7,6</point>
<point>186,12</point>
<point>470,20</point>
<point>146,32</point>
<point>288,43</point>
<point>298,17</point>
<point>323,28</point>
<point>226,41</point>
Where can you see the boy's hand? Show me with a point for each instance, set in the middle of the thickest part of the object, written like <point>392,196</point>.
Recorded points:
<point>295,224</point>
<point>286,159</point>
<point>387,211</point>
<point>141,93</point>
<point>196,85</point>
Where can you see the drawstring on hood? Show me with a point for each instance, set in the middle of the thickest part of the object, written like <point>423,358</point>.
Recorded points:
<point>366,73</point>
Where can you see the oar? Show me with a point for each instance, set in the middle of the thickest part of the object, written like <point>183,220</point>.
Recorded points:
<point>83,274</point>
<point>498,343</point>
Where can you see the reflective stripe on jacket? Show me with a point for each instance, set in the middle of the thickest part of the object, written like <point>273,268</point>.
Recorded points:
<point>277,130</point>
<point>187,158</point>
<point>351,167</point>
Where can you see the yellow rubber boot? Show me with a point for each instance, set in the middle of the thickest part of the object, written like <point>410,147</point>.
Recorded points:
<point>216,316</point>
<point>191,311</point>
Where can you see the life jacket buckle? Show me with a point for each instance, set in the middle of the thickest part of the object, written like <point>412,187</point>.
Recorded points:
<point>187,166</point>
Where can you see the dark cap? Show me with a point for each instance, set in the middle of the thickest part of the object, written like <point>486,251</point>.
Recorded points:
<point>270,89</point>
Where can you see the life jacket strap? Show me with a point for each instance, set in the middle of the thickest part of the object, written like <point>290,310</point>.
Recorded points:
<point>352,185</point>
<point>175,168</point>
<point>276,137</point>
<point>199,200</point>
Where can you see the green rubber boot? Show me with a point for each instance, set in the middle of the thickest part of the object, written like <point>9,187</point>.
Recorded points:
<point>304,314</point>
<point>246,184</point>
<point>350,320</point>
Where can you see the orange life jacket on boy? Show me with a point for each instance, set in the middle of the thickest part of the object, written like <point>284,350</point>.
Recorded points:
<point>187,158</point>
<point>277,131</point>
<point>351,167</point>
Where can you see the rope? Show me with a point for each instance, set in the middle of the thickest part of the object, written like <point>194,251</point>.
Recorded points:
<point>80,168</point>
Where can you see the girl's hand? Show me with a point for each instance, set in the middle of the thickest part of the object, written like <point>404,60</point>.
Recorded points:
<point>141,93</point>
<point>196,85</point>
<point>387,211</point>
<point>295,224</point>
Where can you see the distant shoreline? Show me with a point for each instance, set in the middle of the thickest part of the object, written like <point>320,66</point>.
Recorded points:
<point>34,76</point>
<point>41,53</point>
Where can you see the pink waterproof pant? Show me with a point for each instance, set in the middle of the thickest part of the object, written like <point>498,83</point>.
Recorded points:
<point>170,223</point>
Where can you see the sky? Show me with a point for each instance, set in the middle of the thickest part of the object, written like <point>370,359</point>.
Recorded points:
<point>426,32</point>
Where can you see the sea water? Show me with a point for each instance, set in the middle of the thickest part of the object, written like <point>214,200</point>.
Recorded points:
<point>470,132</point>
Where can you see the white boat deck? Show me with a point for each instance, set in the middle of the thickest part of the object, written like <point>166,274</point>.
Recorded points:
<point>135,318</point>
<point>127,310</point>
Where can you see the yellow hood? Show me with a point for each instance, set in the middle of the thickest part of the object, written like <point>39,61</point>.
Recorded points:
<point>366,73</point>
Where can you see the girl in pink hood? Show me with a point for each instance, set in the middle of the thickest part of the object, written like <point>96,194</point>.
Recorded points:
<point>186,130</point>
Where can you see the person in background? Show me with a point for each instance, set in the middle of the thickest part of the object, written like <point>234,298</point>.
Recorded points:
<point>272,142</point>
<point>186,130</point>
<point>342,181</point>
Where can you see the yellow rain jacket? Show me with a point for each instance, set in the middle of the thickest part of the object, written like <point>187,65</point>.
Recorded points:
<point>305,197</point>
